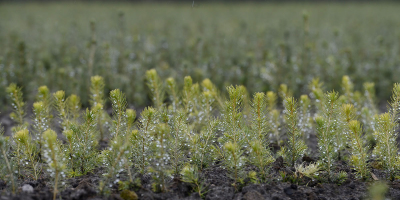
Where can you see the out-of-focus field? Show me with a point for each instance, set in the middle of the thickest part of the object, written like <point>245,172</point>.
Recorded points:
<point>257,45</point>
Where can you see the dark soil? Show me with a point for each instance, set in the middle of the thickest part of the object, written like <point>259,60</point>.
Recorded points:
<point>219,185</point>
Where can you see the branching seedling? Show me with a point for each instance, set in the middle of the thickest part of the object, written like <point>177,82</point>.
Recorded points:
<point>296,146</point>
<point>18,105</point>
<point>359,151</point>
<point>273,116</point>
<point>61,107</point>
<point>305,119</point>
<point>42,112</point>
<point>141,141</point>
<point>260,156</point>
<point>160,164</point>
<point>26,153</point>
<point>190,174</point>
<point>234,136</point>
<point>208,86</point>
<point>6,165</point>
<point>179,131</point>
<point>82,144</point>
<point>201,150</point>
<point>116,157</point>
<point>317,95</point>
<point>97,97</point>
<point>172,92</point>
<point>54,158</point>
<point>326,126</point>
<point>156,88</point>
<point>386,149</point>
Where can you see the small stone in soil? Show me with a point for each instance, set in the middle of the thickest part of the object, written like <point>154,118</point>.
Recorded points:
<point>27,188</point>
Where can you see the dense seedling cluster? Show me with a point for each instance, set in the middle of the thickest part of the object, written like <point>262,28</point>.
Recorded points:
<point>201,43</point>
<point>192,129</point>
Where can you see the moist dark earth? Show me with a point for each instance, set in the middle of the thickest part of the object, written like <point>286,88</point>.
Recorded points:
<point>219,185</point>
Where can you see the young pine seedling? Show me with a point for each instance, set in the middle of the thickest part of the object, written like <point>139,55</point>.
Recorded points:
<point>190,174</point>
<point>305,119</point>
<point>53,153</point>
<point>317,95</point>
<point>296,146</point>
<point>26,153</point>
<point>260,156</point>
<point>116,157</point>
<point>327,125</point>
<point>273,116</point>
<point>18,105</point>
<point>156,88</point>
<point>234,137</point>
<point>61,107</point>
<point>42,116</point>
<point>141,141</point>
<point>172,92</point>
<point>386,149</point>
<point>201,150</point>
<point>179,132</point>
<point>82,143</point>
<point>208,86</point>
<point>6,165</point>
<point>42,112</point>
<point>160,163</point>
<point>359,151</point>
<point>97,97</point>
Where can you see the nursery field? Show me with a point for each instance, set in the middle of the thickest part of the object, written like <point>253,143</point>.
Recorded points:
<point>211,101</point>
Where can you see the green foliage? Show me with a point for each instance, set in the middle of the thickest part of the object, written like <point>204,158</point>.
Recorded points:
<point>359,151</point>
<point>369,109</point>
<point>172,92</point>
<point>97,97</point>
<point>234,161</point>
<point>201,149</point>
<point>141,141</point>
<point>62,109</point>
<point>160,165</point>
<point>259,123</point>
<point>386,124</point>
<point>26,154</point>
<point>18,105</point>
<point>317,94</point>
<point>261,157</point>
<point>273,116</point>
<point>234,136</point>
<point>179,132</point>
<point>348,89</point>
<point>116,157</point>
<point>156,88</point>
<point>295,147</point>
<point>53,155</point>
<point>305,119</point>
<point>339,178</point>
<point>378,190</point>
<point>74,107</point>
<point>97,90</point>
<point>259,154</point>
<point>82,144</point>
<point>41,121</point>
<point>182,138</point>
<point>190,174</point>
<point>327,125</point>
<point>119,105</point>
<point>293,53</point>
<point>6,165</point>
<point>232,118</point>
